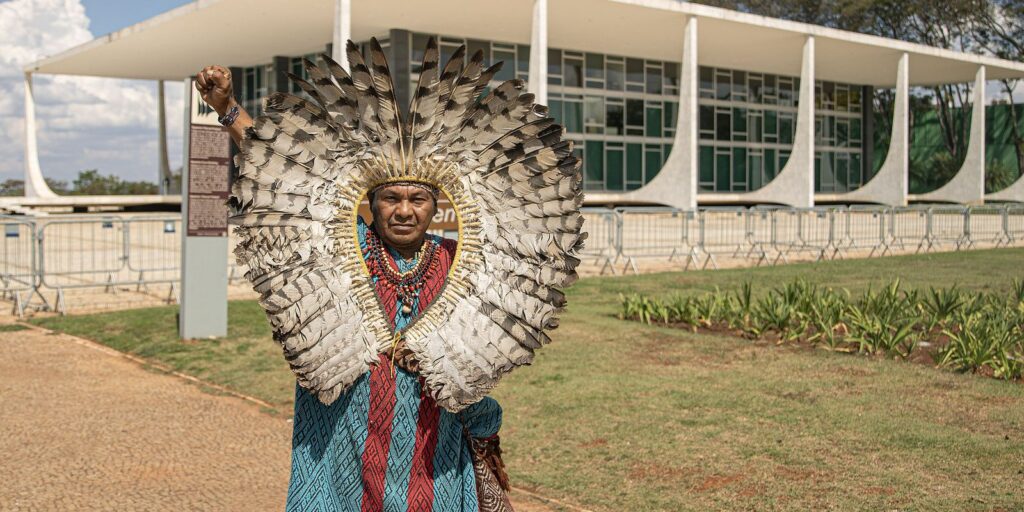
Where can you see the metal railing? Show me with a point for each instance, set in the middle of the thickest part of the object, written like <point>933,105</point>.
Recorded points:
<point>18,273</point>
<point>770,235</point>
<point>112,252</point>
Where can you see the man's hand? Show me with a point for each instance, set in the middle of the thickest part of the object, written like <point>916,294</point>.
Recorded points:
<point>214,85</point>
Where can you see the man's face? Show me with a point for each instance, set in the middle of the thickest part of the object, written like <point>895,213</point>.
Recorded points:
<point>402,214</point>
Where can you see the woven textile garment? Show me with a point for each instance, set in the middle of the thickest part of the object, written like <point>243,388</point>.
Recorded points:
<point>385,444</point>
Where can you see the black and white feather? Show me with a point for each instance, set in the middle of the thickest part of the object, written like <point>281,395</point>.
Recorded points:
<point>307,163</point>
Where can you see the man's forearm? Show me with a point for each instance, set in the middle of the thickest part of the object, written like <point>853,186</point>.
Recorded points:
<point>241,123</point>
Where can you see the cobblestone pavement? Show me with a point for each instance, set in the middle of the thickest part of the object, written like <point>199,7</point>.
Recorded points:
<point>89,430</point>
<point>83,428</point>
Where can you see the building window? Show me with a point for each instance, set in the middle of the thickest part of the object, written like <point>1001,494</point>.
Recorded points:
<point>620,110</point>
<point>594,164</point>
<point>616,75</point>
<point>572,70</point>
<point>747,127</point>
<point>254,88</point>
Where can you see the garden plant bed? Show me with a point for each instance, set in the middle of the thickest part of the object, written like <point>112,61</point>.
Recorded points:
<point>980,332</point>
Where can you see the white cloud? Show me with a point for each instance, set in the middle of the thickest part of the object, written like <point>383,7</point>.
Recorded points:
<point>82,122</point>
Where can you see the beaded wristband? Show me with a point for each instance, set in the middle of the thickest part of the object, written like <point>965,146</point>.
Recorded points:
<point>229,118</point>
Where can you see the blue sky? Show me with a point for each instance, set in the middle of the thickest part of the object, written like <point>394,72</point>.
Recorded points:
<point>106,16</point>
<point>82,122</point>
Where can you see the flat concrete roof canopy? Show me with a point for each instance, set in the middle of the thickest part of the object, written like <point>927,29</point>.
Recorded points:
<point>243,33</point>
<point>176,44</point>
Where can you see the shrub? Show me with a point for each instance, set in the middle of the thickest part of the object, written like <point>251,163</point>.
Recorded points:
<point>981,332</point>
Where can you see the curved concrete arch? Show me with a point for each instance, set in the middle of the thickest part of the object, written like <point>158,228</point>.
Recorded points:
<point>968,185</point>
<point>676,182</point>
<point>889,186</point>
<point>35,185</point>
<point>794,185</point>
<point>1013,193</point>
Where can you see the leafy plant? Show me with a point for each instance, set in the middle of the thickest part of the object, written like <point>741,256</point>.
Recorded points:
<point>940,304</point>
<point>981,332</point>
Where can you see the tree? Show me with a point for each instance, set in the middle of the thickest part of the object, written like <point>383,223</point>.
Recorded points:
<point>10,187</point>
<point>999,30</point>
<point>57,186</point>
<point>90,182</point>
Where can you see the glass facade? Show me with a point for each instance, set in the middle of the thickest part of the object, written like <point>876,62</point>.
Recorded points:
<point>747,123</point>
<point>621,112</point>
<point>254,87</point>
<point>839,164</point>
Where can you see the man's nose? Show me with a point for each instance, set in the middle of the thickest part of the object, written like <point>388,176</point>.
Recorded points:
<point>404,209</point>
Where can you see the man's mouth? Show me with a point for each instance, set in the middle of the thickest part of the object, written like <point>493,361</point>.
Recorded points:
<point>403,227</point>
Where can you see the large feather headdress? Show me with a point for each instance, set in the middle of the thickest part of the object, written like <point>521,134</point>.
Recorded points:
<point>305,166</point>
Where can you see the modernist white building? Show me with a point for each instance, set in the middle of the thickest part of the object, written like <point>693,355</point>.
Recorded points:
<point>669,102</point>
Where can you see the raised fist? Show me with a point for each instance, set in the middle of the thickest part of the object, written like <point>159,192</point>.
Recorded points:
<point>214,85</point>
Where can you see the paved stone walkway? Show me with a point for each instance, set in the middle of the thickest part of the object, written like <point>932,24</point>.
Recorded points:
<point>84,428</point>
<point>89,430</point>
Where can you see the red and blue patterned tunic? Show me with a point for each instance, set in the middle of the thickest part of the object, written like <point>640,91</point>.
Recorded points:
<point>385,445</point>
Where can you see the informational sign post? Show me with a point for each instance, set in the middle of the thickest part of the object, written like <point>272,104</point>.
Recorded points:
<point>204,245</point>
<point>208,184</point>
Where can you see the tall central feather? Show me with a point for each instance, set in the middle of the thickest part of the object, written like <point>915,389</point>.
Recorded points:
<point>387,107</point>
<point>425,102</point>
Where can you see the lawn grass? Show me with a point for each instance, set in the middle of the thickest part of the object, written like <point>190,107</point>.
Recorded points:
<point>247,360</point>
<point>616,415</point>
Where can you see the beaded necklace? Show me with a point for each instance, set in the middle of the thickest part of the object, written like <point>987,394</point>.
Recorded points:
<point>407,284</point>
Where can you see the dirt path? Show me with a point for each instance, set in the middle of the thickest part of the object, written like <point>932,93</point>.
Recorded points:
<point>84,428</point>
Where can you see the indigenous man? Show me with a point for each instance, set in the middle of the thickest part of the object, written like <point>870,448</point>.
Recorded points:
<point>384,444</point>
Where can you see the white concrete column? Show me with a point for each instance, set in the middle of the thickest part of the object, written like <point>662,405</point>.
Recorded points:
<point>794,185</point>
<point>164,165</point>
<point>890,185</point>
<point>35,185</point>
<point>342,31</point>
<point>538,79</point>
<point>676,183</point>
<point>968,185</point>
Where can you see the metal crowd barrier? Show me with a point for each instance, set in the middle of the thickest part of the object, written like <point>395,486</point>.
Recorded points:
<point>763,234</point>
<point>654,232</point>
<point>1013,224</point>
<point>721,231</point>
<point>602,245</point>
<point>79,253</point>
<point>18,263</point>
<point>864,228</point>
<point>908,227</point>
<point>771,235</point>
<point>987,224</point>
<point>65,252</point>
<point>948,227</point>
